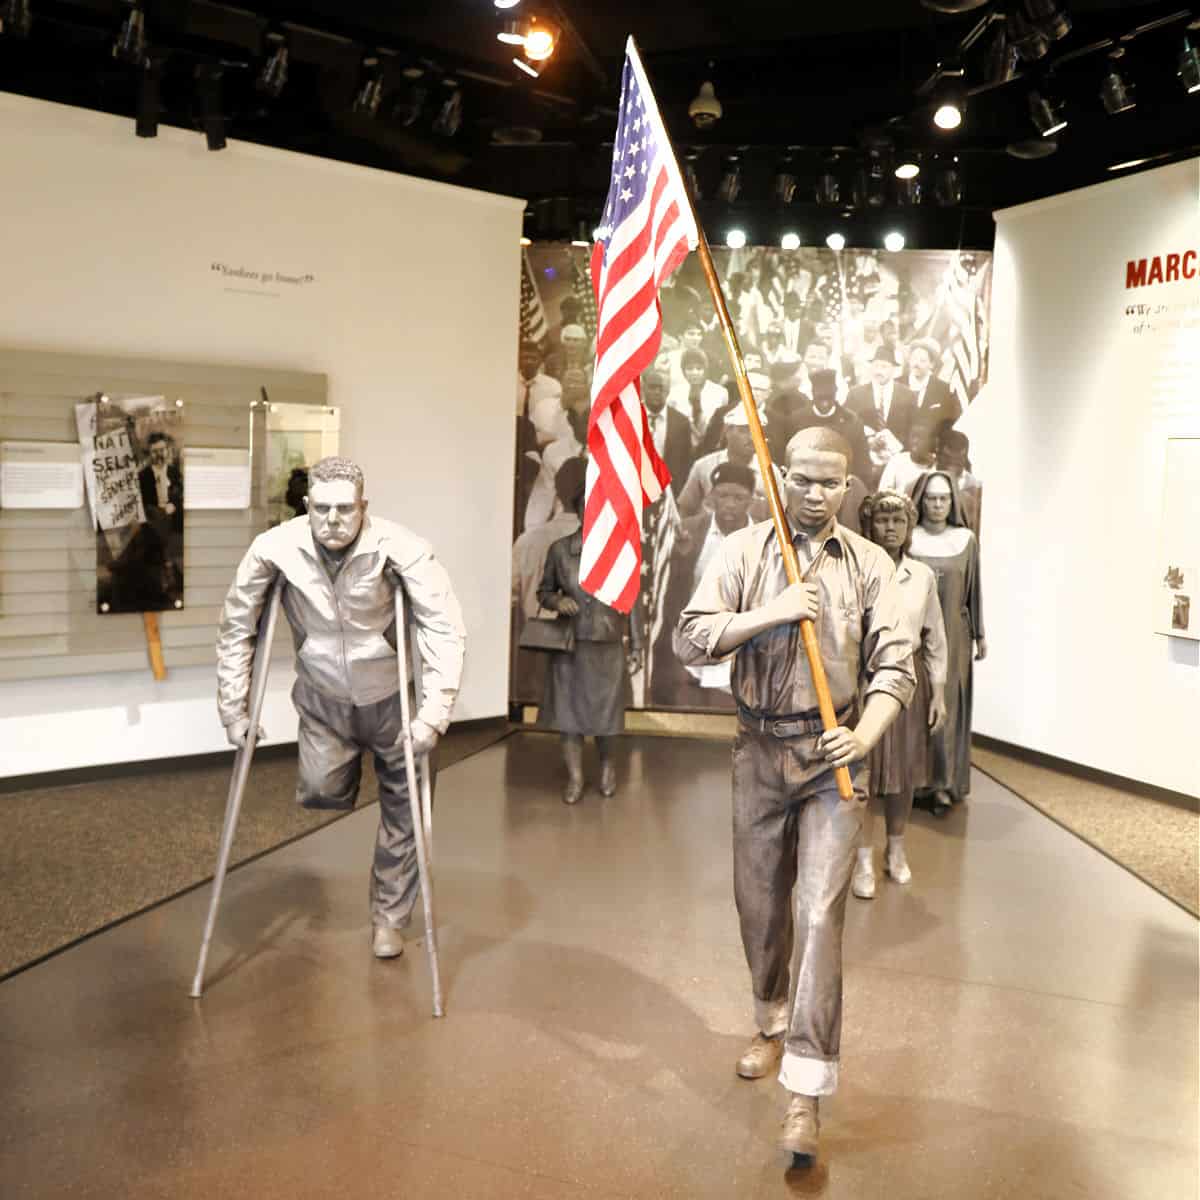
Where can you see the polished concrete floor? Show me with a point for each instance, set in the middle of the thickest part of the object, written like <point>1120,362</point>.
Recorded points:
<point>1020,1022</point>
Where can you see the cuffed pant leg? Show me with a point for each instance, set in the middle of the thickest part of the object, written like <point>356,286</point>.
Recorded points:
<point>828,837</point>
<point>395,880</point>
<point>764,869</point>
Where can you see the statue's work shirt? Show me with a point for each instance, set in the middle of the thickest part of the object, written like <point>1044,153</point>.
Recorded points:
<point>860,625</point>
<point>343,622</point>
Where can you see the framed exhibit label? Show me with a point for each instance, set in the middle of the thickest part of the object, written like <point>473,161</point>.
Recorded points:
<point>1177,600</point>
<point>40,475</point>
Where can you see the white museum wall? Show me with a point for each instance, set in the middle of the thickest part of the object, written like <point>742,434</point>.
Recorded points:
<point>1069,438</point>
<point>109,244</point>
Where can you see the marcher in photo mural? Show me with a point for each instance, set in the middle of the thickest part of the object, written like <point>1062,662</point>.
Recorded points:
<point>944,543</point>
<point>886,350</point>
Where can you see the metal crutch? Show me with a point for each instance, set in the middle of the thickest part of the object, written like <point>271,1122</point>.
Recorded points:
<point>420,803</point>
<point>241,768</point>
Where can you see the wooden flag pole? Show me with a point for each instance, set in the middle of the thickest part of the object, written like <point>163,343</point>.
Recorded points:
<point>808,635</point>
<point>154,645</point>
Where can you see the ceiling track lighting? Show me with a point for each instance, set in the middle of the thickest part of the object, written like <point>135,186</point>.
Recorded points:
<point>505,4</point>
<point>1034,25</point>
<point>149,99</point>
<point>790,241</point>
<point>730,186</point>
<point>212,120</point>
<point>783,186</point>
<point>828,187</point>
<point>950,99</point>
<point>528,68</point>
<point>948,183</point>
<point>1047,113</point>
<point>836,241</point>
<point>1000,59</point>
<point>1116,93</point>
<point>450,115</point>
<point>272,78</point>
<point>512,31</point>
<point>691,175</point>
<point>541,40</point>
<point>909,167</point>
<point>16,18</point>
<point>893,241</point>
<point>130,44</point>
<point>370,92</point>
<point>1189,66</point>
<point>735,238</point>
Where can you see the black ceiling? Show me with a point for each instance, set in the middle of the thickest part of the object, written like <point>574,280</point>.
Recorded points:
<point>800,82</point>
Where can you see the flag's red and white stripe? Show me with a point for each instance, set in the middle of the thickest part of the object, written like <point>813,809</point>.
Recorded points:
<point>629,263</point>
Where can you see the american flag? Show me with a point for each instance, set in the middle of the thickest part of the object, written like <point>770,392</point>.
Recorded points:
<point>646,231</point>
<point>534,327</point>
<point>959,323</point>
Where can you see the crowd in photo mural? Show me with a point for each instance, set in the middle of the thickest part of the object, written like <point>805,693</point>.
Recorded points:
<point>889,350</point>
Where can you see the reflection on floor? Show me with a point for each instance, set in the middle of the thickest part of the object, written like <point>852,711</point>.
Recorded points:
<point>1020,1022</point>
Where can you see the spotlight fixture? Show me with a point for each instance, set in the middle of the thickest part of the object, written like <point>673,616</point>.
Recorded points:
<point>540,41</point>
<point>212,120</point>
<point>950,100</point>
<point>525,241</point>
<point>1115,93</point>
<point>828,188</point>
<point>16,18</point>
<point>1032,148</point>
<point>790,241</point>
<point>370,91</point>
<point>910,188</point>
<point>581,234</point>
<point>528,68</point>
<point>893,241</point>
<point>731,181</point>
<point>506,3</point>
<point>735,238</point>
<point>1000,57</point>
<point>836,241</point>
<point>953,7</point>
<point>948,183</point>
<point>449,117</point>
<point>690,174</point>
<point>783,186</point>
<point>513,31</point>
<point>130,46</point>
<point>907,168</point>
<point>273,77</point>
<point>1189,66</point>
<point>705,109</point>
<point>875,172</point>
<point>149,101</point>
<point>1033,25</point>
<point>1047,114</point>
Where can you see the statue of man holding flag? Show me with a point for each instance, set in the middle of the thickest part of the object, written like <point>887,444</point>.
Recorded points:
<point>797,810</point>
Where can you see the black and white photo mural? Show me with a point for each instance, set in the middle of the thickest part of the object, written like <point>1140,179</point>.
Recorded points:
<point>888,348</point>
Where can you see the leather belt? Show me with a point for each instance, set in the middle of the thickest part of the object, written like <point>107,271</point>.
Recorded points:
<point>790,725</point>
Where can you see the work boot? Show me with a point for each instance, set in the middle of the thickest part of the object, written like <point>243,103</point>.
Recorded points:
<point>894,861</point>
<point>801,1126</point>
<point>761,1056</point>
<point>572,745</point>
<point>386,942</point>
<point>862,882</point>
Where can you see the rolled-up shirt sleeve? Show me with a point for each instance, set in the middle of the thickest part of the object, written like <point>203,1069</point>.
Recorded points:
<point>440,633</point>
<point>887,647</point>
<point>238,632</point>
<point>713,605</point>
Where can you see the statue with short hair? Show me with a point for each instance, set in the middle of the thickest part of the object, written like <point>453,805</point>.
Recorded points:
<point>340,569</point>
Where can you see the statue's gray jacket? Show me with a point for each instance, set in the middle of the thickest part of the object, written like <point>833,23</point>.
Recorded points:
<point>344,629</point>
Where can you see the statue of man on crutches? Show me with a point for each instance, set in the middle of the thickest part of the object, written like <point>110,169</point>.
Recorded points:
<point>343,578</point>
